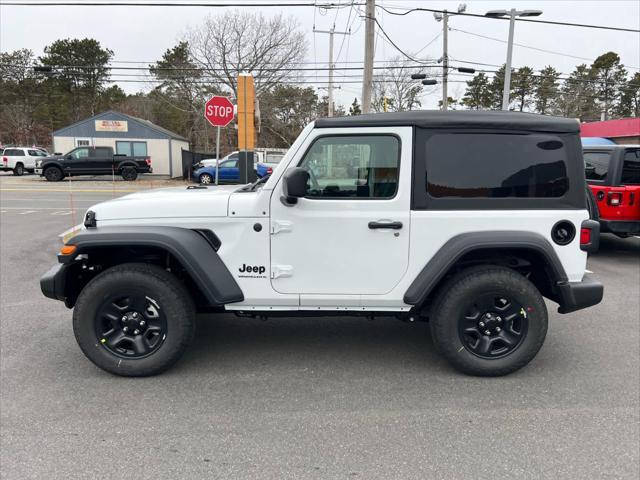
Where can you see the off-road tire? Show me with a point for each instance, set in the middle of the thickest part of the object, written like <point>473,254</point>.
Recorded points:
<point>153,281</point>
<point>129,174</point>
<point>459,292</point>
<point>53,174</point>
<point>18,170</point>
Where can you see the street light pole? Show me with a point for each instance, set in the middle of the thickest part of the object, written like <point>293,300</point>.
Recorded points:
<point>512,14</point>
<point>506,90</point>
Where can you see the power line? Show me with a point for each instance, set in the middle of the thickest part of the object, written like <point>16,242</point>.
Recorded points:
<point>283,3</point>
<point>476,15</point>
<point>530,47</point>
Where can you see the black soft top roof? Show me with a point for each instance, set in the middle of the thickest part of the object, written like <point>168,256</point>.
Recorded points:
<point>457,119</point>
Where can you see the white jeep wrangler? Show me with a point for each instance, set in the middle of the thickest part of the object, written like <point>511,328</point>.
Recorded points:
<point>464,219</point>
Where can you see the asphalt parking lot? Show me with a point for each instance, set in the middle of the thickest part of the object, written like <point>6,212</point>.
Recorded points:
<point>305,398</point>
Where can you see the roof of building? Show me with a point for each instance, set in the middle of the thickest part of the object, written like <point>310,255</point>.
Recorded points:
<point>112,113</point>
<point>457,119</point>
<point>623,127</point>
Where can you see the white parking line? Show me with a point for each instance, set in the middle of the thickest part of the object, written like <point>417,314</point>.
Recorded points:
<point>27,212</point>
<point>62,212</point>
<point>588,271</point>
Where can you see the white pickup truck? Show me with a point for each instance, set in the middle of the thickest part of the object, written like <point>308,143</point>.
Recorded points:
<point>21,159</point>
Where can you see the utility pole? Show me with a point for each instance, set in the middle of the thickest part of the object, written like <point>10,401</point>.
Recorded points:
<point>331,33</point>
<point>445,60</point>
<point>369,36</point>
<point>512,14</point>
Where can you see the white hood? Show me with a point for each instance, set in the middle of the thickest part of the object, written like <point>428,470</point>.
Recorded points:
<point>168,203</point>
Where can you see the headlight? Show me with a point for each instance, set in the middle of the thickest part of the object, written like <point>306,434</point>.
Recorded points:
<point>38,163</point>
<point>69,234</point>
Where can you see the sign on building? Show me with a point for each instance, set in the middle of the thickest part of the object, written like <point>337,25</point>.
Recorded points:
<point>112,126</point>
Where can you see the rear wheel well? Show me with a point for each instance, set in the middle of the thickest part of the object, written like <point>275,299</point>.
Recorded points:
<point>531,264</point>
<point>96,260</point>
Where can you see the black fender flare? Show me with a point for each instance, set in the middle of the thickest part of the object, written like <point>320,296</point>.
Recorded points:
<point>193,250</point>
<point>52,163</point>
<point>126,163</point>
<point>455,248</point>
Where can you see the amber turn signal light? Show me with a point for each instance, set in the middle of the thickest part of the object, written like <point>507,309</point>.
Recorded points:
<point>68,250</point>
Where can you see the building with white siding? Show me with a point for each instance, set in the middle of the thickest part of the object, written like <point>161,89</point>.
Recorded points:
<point>127,135</point>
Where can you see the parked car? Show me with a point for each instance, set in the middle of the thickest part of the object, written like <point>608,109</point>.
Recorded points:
<point>229,172</point>
<point>21,159</point>
<point>93,161</point>
<point>613,175</point>
<point>349,226</point>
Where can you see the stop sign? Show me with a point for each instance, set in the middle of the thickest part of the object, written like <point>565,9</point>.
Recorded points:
<point>219,111</point>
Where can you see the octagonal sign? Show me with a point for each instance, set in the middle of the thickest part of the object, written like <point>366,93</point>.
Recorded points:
<point>219,111</point>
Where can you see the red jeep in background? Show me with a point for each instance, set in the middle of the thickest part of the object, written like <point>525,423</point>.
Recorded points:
<point>613,175</point>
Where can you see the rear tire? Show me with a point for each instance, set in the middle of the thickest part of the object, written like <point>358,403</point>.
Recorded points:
<point>53,174</point>
<point>106,312</point>
<point>129,174</point>
<point>18,170</point>
<point>495,300</point>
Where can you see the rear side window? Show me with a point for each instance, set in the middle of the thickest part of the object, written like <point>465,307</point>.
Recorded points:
<point>596,165</point>
<point>14,152</point>
<point>100,152</point>
<point>631,168</point>
<point>484,165</point>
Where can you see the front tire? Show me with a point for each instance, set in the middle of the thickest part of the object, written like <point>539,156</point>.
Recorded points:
<point>206,179</point>
<point>134,320</point>
<point>489,321</point>
<point>53,174</point>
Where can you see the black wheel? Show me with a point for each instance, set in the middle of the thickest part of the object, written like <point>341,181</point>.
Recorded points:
<point>592,205</point>
<point>489,321</point>
<point>134,320</point>
<point>129,174</point>
<point>53,174</point>
<point>206,179</point>
<point>18,170</point>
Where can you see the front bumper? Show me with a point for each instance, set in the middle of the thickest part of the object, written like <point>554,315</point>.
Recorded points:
<point>38,171</point>
<point>620,227</point>
<point>578,295</point>
<point>53,282</point>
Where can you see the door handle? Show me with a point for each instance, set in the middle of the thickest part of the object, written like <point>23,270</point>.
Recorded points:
<point>391,225</point>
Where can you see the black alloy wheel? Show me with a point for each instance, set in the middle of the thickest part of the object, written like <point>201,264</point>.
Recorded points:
<point>131,325</point>
<point>493,326</point>
<point>129,174</point>
<point>53,174</point>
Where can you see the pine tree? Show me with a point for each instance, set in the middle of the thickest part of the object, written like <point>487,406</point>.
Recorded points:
<point>629,103</point>
<point>578,96</point>
<point>477,95</point>
<point>546,90</point>
<point>355,109</point>
<point>522,87</point>
<point>609,76</point>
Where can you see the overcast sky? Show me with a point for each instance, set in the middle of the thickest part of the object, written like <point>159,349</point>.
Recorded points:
<point>144,33</point>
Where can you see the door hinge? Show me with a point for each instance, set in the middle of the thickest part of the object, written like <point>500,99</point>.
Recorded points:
<point>278,271</point>
<point>280,226</point>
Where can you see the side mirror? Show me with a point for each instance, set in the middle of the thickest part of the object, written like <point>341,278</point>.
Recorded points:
<point>294,186</point>
<point>69,157</point>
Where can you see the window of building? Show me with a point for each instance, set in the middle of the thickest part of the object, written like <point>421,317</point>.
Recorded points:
<point>83,143</point>
<point>631,168</point>
<point>596,165</point>
<point>357,167</point>
<point>483,165</point>
<point>132,149</point>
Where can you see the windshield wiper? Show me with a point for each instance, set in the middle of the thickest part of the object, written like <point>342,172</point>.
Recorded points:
<point>252,187</point>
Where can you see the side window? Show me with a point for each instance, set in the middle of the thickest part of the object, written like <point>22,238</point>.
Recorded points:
<point>80,153</point>
<point>481,165</point>
<point>100,152</point>
<point>33,153</point>
<point>631,168</point>
<point>359,167</point>
<point>229,164</point>
<point>14,152</point>
<point>596,165</point>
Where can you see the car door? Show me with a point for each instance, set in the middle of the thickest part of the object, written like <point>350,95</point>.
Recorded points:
<point>229,171</point>
<point>76,162</point>
<point>350,234</point>
<point>100,161</point>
